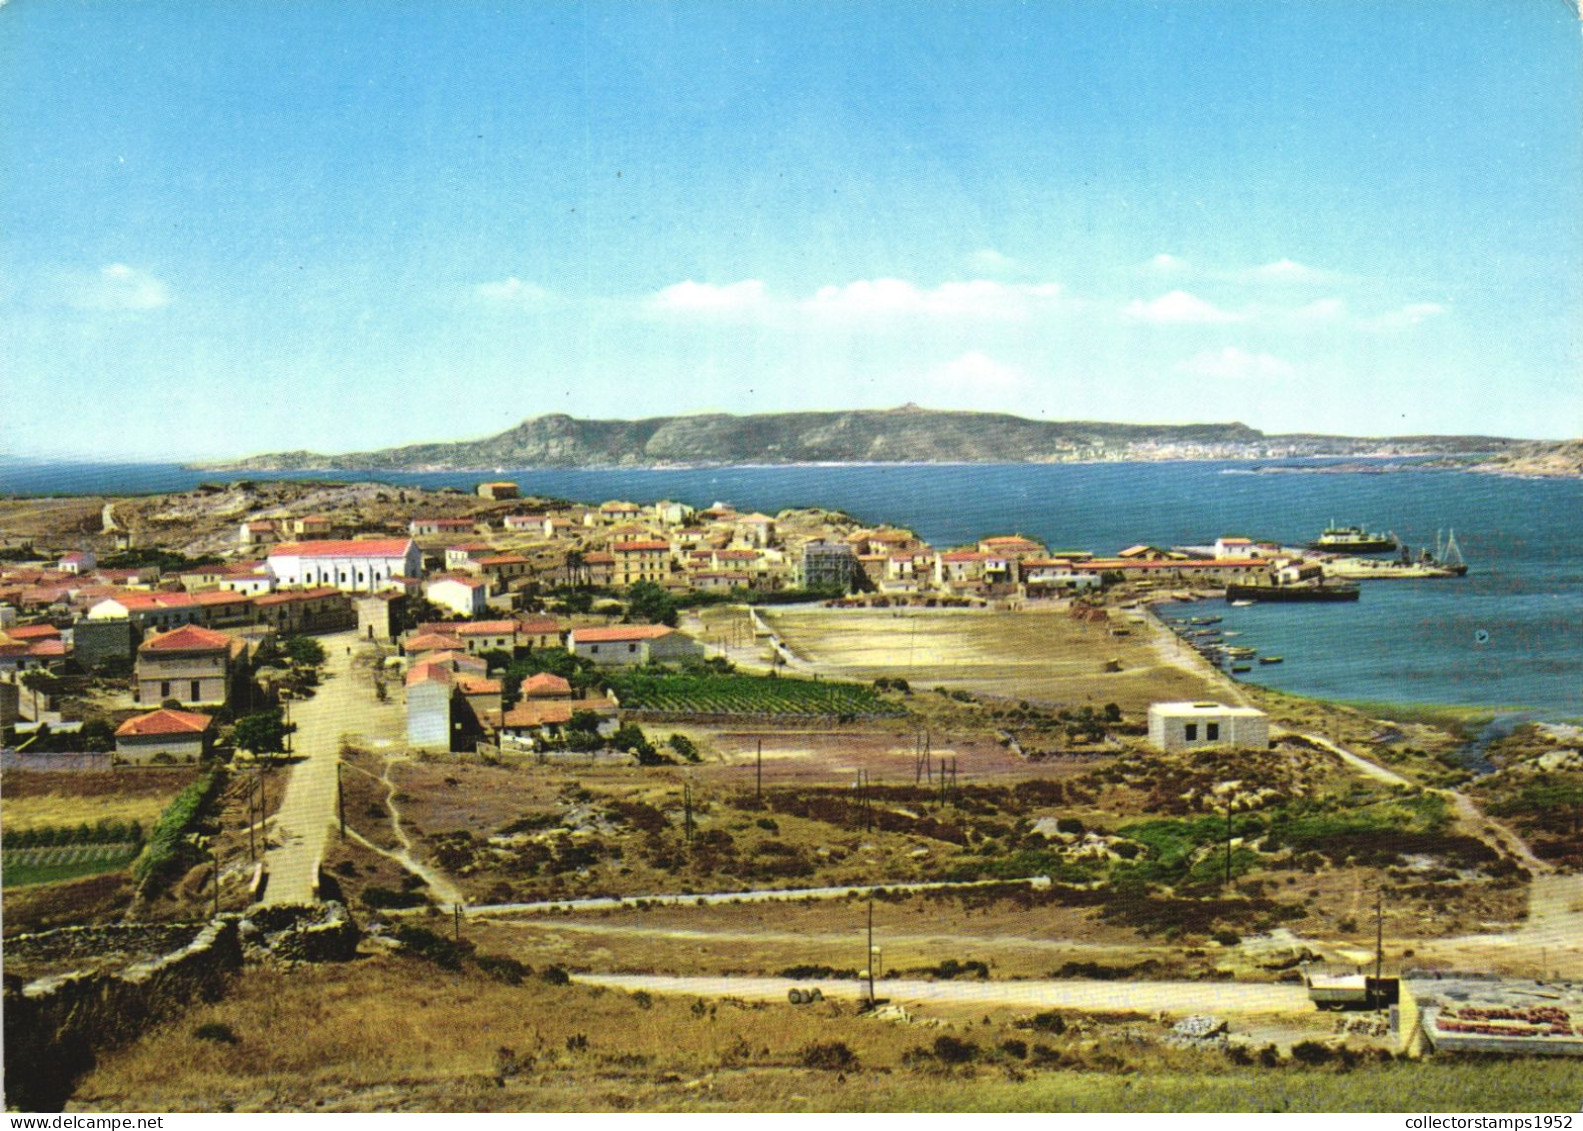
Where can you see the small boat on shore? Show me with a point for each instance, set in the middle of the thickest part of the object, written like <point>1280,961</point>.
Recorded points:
<point>1298,591</point>
<point>1238,669</point>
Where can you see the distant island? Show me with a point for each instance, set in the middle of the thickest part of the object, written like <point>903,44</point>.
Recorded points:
<point>909,434</point>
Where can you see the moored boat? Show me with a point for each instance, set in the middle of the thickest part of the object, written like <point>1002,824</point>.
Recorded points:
<point>1353,540</point>
<point>1300,591</point>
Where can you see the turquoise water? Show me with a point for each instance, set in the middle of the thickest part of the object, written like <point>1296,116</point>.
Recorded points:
<point>1506,635</point>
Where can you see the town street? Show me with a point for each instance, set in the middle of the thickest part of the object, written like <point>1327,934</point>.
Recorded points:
<point>342,705</point>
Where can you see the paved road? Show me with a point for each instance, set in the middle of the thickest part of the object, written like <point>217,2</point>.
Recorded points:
<point>1133,997</point>
<point>343,704</point>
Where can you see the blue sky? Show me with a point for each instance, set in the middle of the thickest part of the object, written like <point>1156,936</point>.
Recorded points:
<point>259,226</point>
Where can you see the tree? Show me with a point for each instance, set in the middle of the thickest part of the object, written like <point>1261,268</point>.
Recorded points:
<point>647,602</point>
<point>302,651</point>
<point>96,737</point>
<point>263,732</point>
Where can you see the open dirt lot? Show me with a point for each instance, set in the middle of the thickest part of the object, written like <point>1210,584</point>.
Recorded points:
<point>1043,656</point>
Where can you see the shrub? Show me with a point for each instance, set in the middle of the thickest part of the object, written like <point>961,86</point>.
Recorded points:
<point>443,952</point>
<point>381,899</point>
<point>831,1056</point>
<point>555,976</point>
<point>683,746</point>
<point>167,841</point>
<point>504,969</point>
<point>1048,1022</point>
<point>216,1032</point>
<point>1015,1048</point>
<point>1312,1052</point>
<point>950,1050</point>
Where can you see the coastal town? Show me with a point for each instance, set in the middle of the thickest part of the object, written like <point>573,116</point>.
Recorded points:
<point>353,728</point>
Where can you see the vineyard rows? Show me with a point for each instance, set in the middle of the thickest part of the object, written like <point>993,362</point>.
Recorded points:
<point>748,695</point>
<point>63,854</point>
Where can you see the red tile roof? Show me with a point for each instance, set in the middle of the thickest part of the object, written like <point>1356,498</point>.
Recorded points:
<point>428,673</point>
<point>341,548</point>
<point>541,627</point>
<point>546,686</point>
<point>164,721</point>
<point>620,632</point>
<point>478,685</point>
<point>638,547</point>
<point>187,638</point>
<point>32,632</point>
<point>287,595</point>
<point>48,648</point>
<point>434,642</point>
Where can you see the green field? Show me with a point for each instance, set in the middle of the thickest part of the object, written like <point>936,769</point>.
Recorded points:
<point>747,695</point>
<point>53,863</point>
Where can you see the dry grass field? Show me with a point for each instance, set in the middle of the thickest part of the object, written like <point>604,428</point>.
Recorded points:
<point>34,799</point>
<point>403,1034</point>
<point>1043,656</point>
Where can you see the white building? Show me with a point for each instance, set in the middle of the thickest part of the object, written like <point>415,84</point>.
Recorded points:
<point>1182,726</point>
<point>631,645</point>
<point>363,566</point>
<point>465,596</point>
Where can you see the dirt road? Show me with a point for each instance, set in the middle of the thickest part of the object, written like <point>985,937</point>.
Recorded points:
<point>342,705</point>
<point>1128,997</point>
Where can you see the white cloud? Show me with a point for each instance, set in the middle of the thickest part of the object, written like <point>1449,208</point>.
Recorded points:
<point>1321,310</point>
<point>1285,271</point>
<point>1166,264</point>
<point>1178,306</point>
<point>976,373</point>
<point>513,292</point>
<point>116,286</point>
<point>1233,364</point>
<point>977,298</point>
<point>707,298</point>
<point>988,261</point>
<point>1410,315</point>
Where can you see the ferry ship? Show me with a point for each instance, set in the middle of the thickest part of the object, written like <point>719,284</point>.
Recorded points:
<point>1353,540</point>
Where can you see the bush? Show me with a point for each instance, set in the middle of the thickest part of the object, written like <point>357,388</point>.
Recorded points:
<point>216,1032</point>
<point>167,842</point>
<point>830,1056</point>
<point>683,746</point>
<point>1047,1022</point>
<point>1015,1048</point>
<point>555,976</point>
<point>950,1050</point>
<point>380,898</point>
<point>443,952</point>
<point>504,969</point>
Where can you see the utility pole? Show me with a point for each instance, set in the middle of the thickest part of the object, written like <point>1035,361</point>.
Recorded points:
<point>252,819</point>
<point>1379,944</point>
<point>340,798</point>
<point>1228,842</point>
<point>456,919</point>
<point>687,811</point>
<point>214,861</point>
<point>869,964</point>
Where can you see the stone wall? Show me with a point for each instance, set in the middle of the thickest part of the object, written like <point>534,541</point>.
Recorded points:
<point>55,1025</point>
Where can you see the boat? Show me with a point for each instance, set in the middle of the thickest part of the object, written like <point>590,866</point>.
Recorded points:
<point>1238,669</point>
<point>1241,604</point>
<point>1299,591</point>
<point>1353,540</point>
<point>1270,659</point>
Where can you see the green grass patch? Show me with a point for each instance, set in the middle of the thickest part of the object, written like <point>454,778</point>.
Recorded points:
<point>48,865</point>
<point>702,693</point>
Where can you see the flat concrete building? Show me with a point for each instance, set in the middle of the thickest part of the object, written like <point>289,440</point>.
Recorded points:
<point>1182,726</point>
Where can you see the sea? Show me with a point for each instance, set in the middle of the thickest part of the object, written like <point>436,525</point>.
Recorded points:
<point>1508,636</point>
